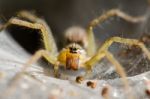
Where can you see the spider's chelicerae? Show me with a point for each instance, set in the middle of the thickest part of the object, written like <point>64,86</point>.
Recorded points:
<point>76,56</point>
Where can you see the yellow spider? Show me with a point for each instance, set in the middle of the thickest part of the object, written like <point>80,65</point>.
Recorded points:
<point>75,56</point>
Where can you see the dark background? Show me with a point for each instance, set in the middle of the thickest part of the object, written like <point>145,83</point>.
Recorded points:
<point>61,14</point>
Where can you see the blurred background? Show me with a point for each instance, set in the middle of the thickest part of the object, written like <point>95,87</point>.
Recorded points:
<point>62,14</point>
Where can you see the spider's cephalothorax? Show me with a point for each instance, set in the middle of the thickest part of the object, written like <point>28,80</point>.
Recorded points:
<point>72,56</point>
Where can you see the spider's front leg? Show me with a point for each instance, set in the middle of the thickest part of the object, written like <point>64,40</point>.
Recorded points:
<point>46,54</point>
<point>49,43</point>
<point>48,39</point>
<point>40,53</point>
<point>99,56</point>
<point>103,51</point>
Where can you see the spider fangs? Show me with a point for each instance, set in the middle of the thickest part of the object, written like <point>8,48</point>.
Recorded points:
<point>73,56</point>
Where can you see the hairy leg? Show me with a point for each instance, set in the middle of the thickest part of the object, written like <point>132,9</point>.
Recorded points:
<point>30,16</point>
<point>111,13</point>
<point>47,36</point>
<point>120,70</point>
<point>103,51</point>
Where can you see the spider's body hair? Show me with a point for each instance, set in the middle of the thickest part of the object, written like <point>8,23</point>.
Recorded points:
<point>72,57</point>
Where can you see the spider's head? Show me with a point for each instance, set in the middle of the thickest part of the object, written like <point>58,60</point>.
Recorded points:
<point>73,56</point>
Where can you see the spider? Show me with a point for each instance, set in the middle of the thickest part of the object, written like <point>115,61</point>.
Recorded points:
<point>76,56</point>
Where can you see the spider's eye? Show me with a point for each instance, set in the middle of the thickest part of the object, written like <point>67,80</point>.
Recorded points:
<point>73,50</point>
<point>70,48</point>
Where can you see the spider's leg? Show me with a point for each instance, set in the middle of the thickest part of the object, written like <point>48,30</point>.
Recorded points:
<point>103,51</point>
<point>28,15</point>
<point>41,53</point>
<point>47,36</point>
<point>114,12</point>
<point>120,70</point>
<point>46,54</point>
<point>108,43</point>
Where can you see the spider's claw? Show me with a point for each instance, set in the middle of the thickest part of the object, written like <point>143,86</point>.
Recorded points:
<point>56,74</point>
